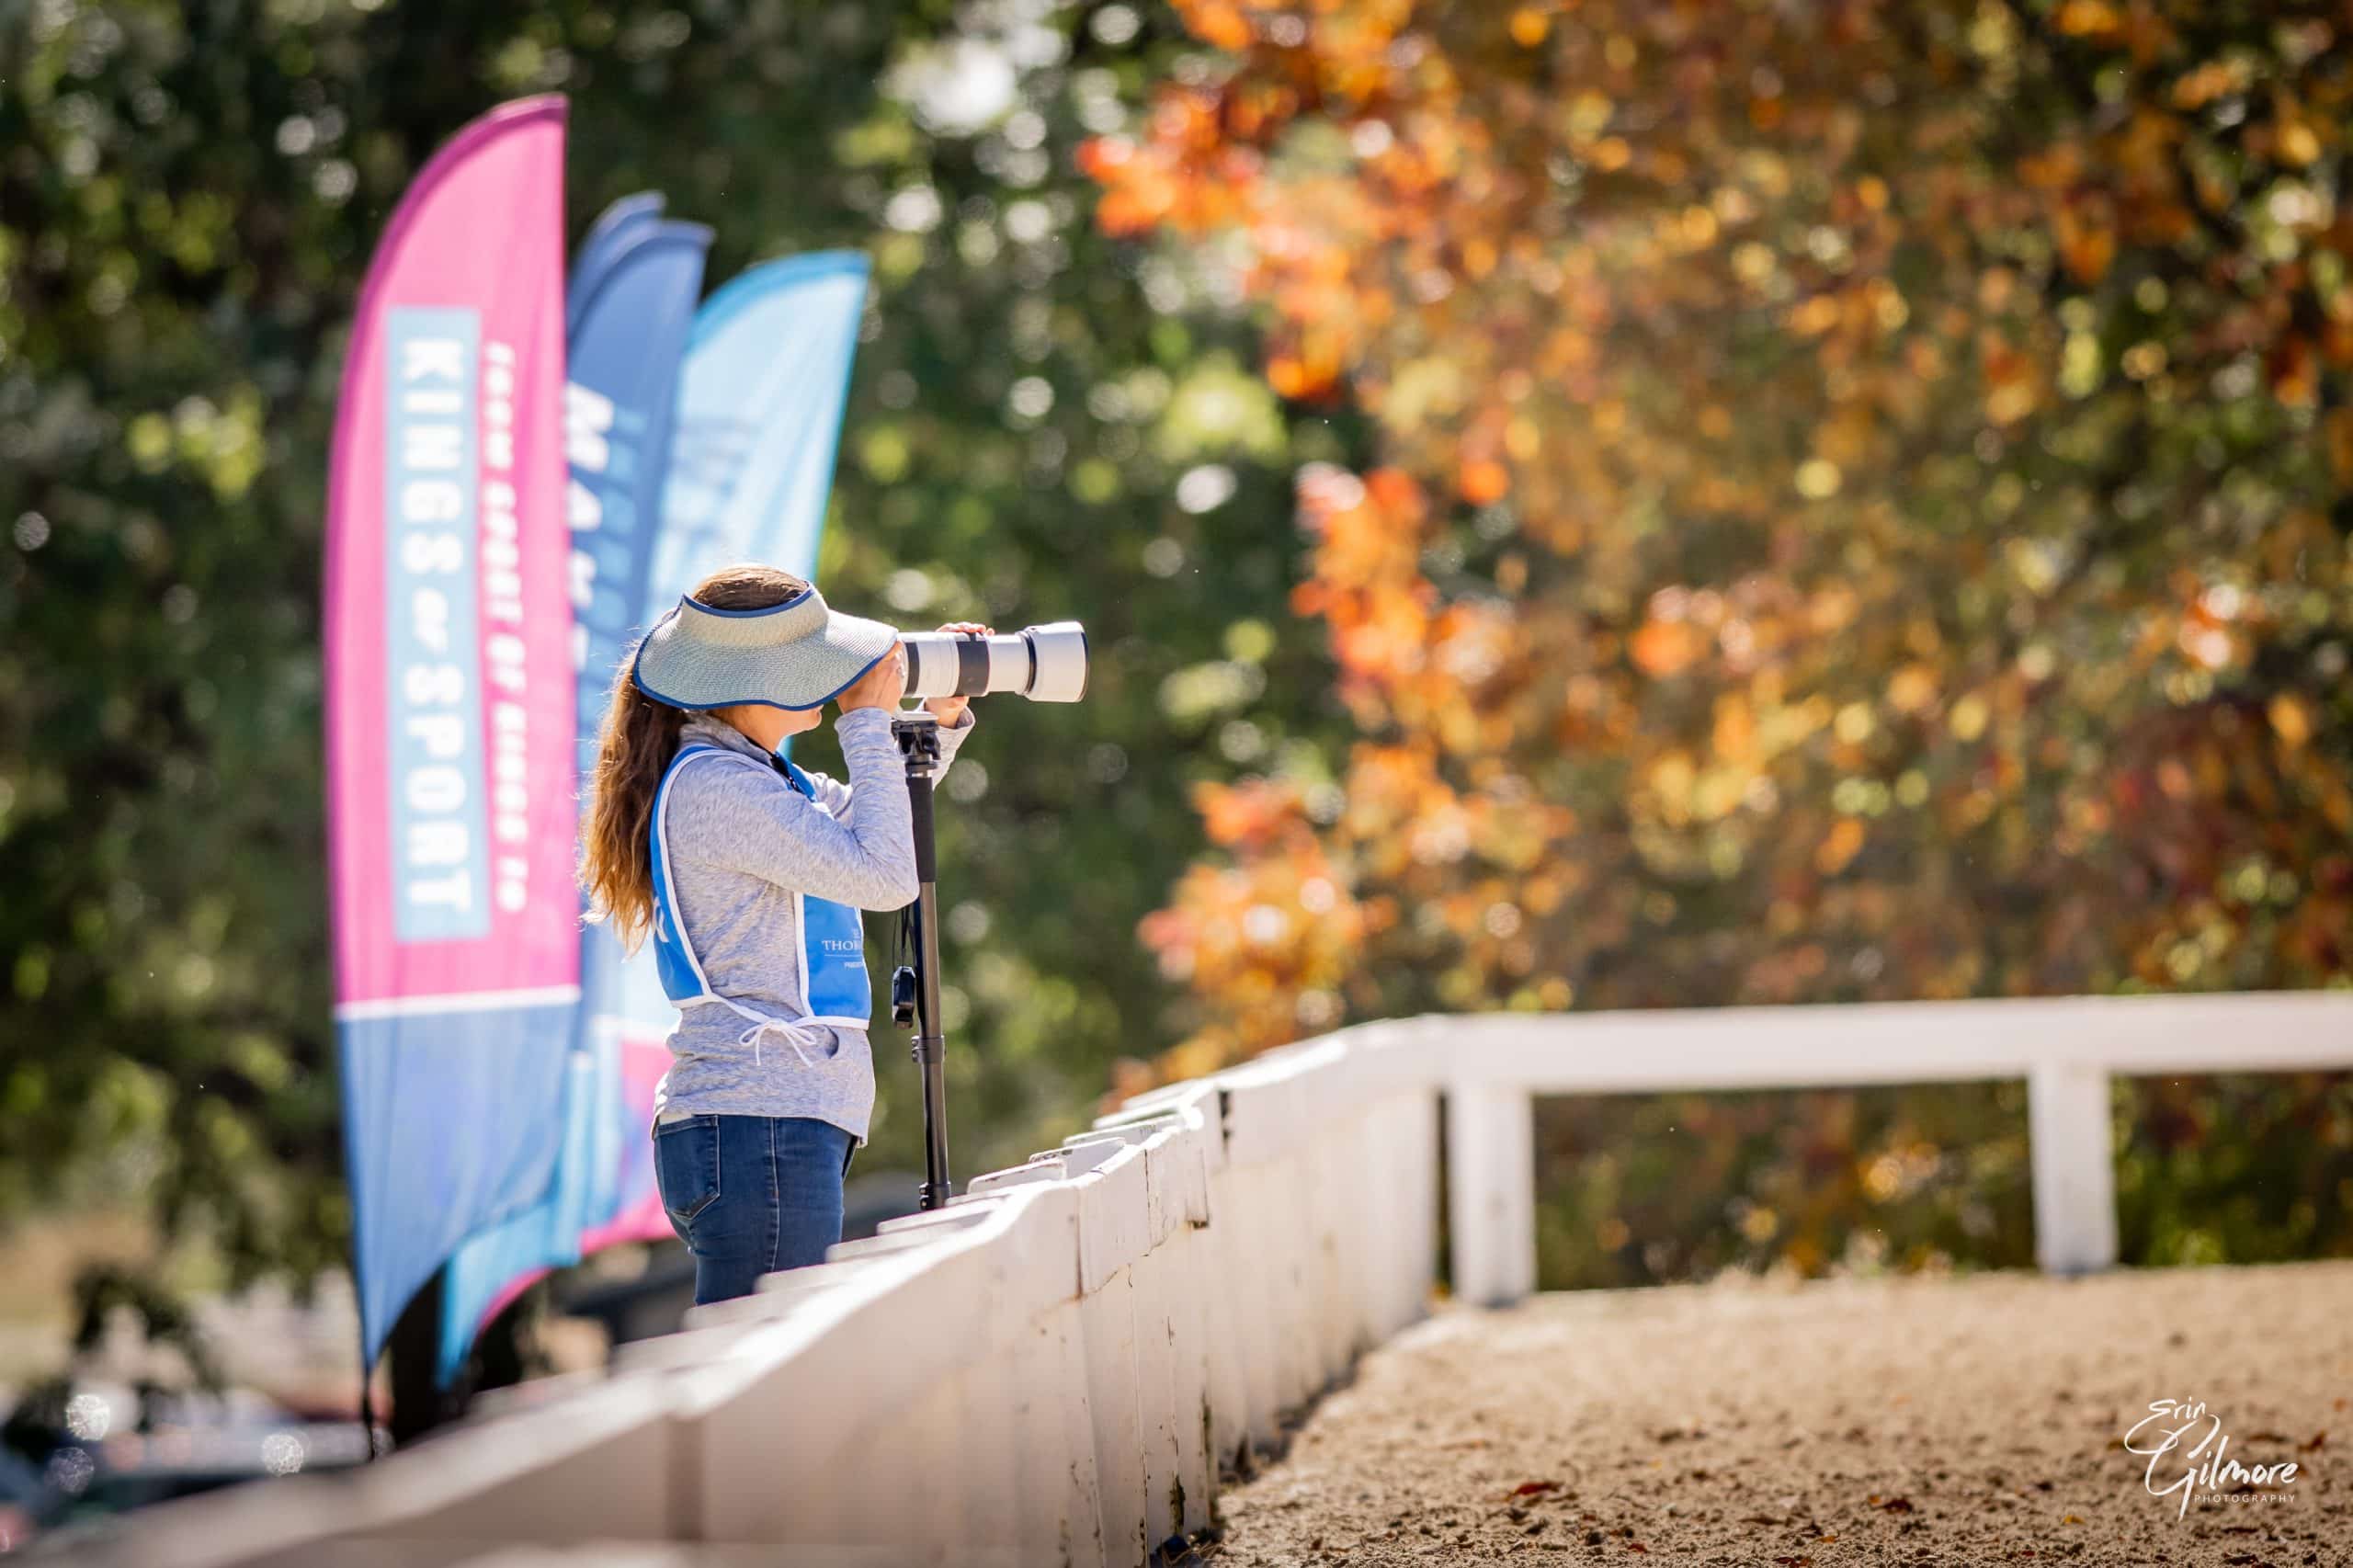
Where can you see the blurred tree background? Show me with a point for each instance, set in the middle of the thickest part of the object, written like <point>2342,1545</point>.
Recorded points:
<point>1580,505</point>
<point>1859,509</point>
<point>1043,423</point>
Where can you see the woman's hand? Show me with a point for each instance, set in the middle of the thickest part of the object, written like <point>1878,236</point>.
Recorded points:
<point>949,711</point>
<point>883,687</point>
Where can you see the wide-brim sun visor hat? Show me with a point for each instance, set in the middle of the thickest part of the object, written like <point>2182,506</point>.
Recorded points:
<point>798,654</point>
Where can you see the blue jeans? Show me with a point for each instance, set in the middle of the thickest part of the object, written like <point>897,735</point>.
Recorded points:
<point>750,1195</point>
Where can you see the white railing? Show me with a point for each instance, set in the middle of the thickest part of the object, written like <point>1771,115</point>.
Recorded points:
<point>1053,1370</point>
<point>2066,1049</point>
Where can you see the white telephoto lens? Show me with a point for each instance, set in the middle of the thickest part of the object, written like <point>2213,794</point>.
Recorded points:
<point>1045,663</point>
<point>1059,652</point>
<point>931,663</point>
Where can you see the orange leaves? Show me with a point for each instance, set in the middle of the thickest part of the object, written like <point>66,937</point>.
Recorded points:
<point>1216,22</point>
<point>1816,316</point>
<point>1325,490</point>
<point>2291,720</point>
<point>1102,157</point>
<point>1250,815</point>
<point>2089,19</point>
<point>1395,493</point>
<point>1254,116</point>
<point>1275,936</point>
<point>2087,240</point>
<point>1190,121</point>
<point>1291,378</point>
<point>2140,26</point>
<point>1482,482</point>
<point>2200,86</point>
<point>1308,367</point>
<point>1738,407</point>
<point>1663,648</point>
<point>1135,206</point>
<point>1391,640</point>
<point>1367,528</point>
<point>1913,688</point>
<point>2296,142</point>
<point>1140,191</point>
<point>1838,850</point>
<point>1191,172</point>
<point>2054,168</point>
<point>2013,379</point>
<point>1733,738</point>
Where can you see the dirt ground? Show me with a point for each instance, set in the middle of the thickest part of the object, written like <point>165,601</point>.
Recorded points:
<point>1957,1422</point>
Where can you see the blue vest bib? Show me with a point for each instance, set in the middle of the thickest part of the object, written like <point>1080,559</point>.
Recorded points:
<point>831,954</point>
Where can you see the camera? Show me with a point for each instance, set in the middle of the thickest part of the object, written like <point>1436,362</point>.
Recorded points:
<point>1044,663</point>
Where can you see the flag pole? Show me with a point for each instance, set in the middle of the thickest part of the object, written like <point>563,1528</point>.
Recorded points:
<point>367,1401</point>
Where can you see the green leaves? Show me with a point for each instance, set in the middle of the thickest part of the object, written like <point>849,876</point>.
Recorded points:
<point>190,197</point>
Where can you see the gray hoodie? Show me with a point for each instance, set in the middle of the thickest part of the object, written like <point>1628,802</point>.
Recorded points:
<point>743,841</point>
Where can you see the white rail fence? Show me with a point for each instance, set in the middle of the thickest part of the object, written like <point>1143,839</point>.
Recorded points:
<point>2066,1049</point>
<point>1051,1370</point>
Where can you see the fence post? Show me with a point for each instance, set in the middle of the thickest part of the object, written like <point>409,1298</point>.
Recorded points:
<point>1491,1191</point>
<point>2075,1171</point>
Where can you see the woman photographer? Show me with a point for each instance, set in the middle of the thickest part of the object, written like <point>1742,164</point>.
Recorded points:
<point>749,873</point>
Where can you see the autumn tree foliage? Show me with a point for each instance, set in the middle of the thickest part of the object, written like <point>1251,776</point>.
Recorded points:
<point>1862,500</point>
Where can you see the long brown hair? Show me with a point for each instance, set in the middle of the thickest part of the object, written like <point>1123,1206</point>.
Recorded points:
<point>635,748</point>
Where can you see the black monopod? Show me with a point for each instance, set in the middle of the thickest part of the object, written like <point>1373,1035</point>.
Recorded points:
<point>1046,664</point>
<point>915,991</point>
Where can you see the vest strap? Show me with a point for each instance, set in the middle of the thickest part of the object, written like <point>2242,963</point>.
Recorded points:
<point>682,967</point>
